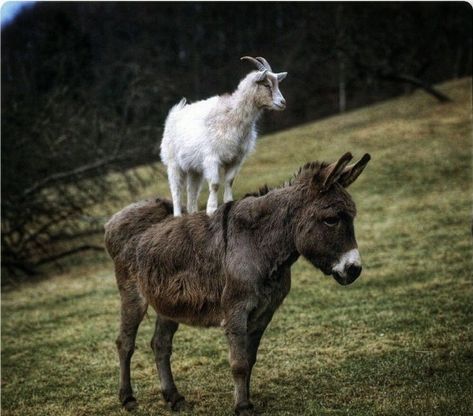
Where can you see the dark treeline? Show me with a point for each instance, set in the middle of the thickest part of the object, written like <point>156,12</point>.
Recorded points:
<point>86,87</point>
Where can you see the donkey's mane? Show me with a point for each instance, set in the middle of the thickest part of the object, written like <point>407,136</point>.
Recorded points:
<point>308,170</point>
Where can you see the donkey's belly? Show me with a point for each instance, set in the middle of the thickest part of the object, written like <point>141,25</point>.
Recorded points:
<point>206,315</point>
<point>187,298</point>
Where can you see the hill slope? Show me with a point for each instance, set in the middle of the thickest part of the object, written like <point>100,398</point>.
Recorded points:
<point>398,341</point>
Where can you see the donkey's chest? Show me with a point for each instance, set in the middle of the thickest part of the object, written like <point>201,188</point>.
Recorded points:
<point>270,295</point>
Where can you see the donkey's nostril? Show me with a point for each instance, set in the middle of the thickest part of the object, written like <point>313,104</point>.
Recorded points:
<point>283,102</point>
<point>353,271</point>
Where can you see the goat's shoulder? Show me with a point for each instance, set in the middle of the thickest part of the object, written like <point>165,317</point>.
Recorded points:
<point>206,104</point>
<point>193,112</point>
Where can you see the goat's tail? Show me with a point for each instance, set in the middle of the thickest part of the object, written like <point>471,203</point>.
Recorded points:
<point>179,106</point>
<point>175,108</point>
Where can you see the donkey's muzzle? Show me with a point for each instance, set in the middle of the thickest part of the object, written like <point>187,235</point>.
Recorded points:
<point>348,268</point>
<point>353,271</point>
<point>350,274</point>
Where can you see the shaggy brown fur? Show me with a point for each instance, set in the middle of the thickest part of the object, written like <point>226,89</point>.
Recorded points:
<point>231,269</point>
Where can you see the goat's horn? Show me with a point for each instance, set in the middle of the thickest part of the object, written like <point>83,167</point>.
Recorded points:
<point>258,64</point>
<point>265,63</point>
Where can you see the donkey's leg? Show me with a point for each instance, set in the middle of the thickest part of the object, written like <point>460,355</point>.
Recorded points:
<point>230,173</point>
<point>176,183</point>
<point>258,324</point>
<point>162,347</point>
<point>211,173</point>
<point>236,332</point>
<point>133,308</point>
<point>194,182</point>
<point>254,339</point>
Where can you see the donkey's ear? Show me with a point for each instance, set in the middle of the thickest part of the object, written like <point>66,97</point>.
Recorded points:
<point>350,173</point>
<point>333,171</point>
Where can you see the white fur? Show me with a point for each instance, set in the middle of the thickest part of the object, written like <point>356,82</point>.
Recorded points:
<point>202,138</point>
<point>350,258</point>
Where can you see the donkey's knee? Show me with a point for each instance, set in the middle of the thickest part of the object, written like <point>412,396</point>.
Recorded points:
<point>240,368</point>
<point>125,348</point>
<point>162,348</point>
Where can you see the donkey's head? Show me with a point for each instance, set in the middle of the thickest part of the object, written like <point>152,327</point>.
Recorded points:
<point>325,234</point>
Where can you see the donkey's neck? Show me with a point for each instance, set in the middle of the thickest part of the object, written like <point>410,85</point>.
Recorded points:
<point>274,231</point>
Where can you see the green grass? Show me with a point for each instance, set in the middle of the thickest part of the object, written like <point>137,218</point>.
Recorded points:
<point>399,341</point>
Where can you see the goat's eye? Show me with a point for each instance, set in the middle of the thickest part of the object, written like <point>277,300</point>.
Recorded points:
<point>331,221</point>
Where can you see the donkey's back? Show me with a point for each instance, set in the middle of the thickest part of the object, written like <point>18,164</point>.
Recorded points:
<point>125,227</point>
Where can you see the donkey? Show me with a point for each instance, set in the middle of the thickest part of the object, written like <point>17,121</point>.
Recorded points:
<point>231,269</point>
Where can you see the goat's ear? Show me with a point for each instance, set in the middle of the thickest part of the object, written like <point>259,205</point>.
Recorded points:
<point>261,76</point>
<point>351,173</point>
<point>281,76</point>
<point>333,171</point>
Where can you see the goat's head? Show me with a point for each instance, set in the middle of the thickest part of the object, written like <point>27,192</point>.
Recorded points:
<point>268,94</point>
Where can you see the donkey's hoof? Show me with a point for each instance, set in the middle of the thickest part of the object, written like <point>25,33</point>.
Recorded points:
<point>174,400</point>
<point>245,409</point>
<point>178,405</point>
<point>130,403</point>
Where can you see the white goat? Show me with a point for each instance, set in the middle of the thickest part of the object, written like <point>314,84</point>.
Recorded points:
<point>202,138</point>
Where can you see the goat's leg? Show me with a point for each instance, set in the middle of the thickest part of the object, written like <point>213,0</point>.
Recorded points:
<point>162,347</point>
<point>176,183</point>
<point>213,178</point>
<point>133,308</point>
<point>194,182</point>
<point>230,173</point>
<point>236,333</point>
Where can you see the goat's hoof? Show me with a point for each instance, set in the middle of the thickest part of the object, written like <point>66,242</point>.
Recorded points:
<point>130,403</point>
<point>244,409</point>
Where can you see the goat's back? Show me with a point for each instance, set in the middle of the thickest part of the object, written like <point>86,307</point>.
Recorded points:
<point>185,133</point>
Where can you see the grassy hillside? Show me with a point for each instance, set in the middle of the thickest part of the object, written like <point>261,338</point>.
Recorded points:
<point>399,341</point>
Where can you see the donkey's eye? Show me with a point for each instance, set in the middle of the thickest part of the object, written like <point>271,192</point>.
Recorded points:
<point>331,221</point>
<point>267,86</point>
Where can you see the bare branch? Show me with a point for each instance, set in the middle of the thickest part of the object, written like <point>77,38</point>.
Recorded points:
<point>61,176</point>
<point>66,253</point>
